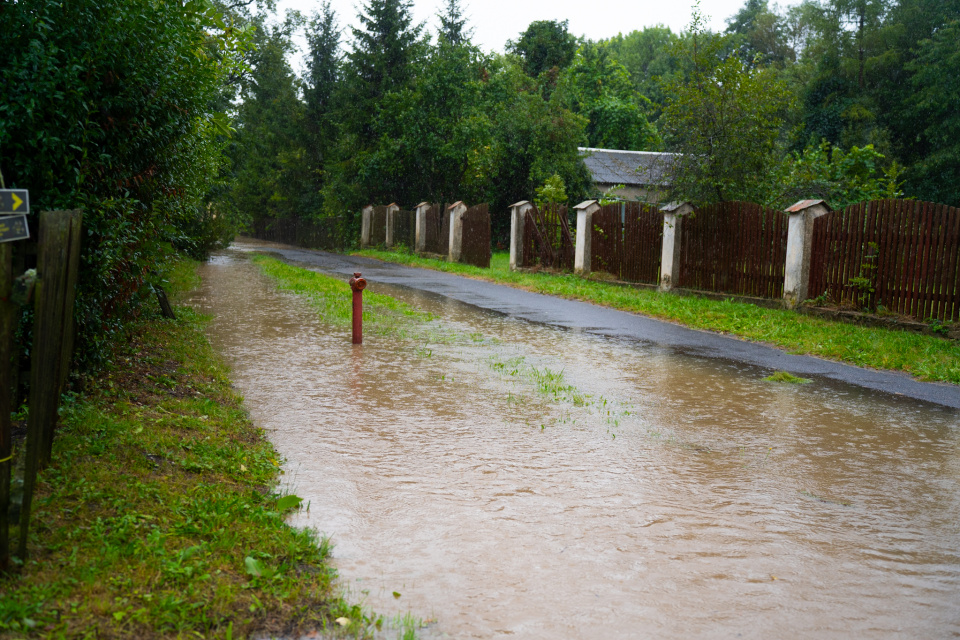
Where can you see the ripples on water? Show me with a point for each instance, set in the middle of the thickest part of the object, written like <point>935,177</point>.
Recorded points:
<point>689,498</point>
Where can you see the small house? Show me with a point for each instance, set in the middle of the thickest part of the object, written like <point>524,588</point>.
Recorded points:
<point>639,175</point>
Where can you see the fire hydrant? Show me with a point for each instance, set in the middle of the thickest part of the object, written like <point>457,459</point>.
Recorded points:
<point>357,284</point>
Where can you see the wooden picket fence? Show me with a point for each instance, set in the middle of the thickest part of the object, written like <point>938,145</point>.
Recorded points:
<point>547,239</point>
<point>404,227</point>
<point>734,247</point>
<point>901,254</point>
<point>476,249</point>
<point>437,229</point>
<point>627,240</point>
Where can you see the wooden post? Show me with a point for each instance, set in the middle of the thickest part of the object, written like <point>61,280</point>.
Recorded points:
<point>8,316</point>
<point>53,278</point>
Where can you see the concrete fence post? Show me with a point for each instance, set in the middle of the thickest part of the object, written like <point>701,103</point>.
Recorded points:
<point>796,278</point>
<point>366,220</point>
<point>420,241</point>
<point>583,257</point>
<point>392,210</point>
<point>518,214</point>
<point>456,211</point>
<point>673,215</point>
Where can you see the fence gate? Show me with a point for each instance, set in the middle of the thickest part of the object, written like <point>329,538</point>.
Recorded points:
<point>734,247</point>
<point>438,229</point>
<point>547,240</point>
<point>627,240</point>
<point>902,254</point>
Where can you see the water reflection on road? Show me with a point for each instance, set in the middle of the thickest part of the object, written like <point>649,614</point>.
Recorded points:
<point>667,496</point>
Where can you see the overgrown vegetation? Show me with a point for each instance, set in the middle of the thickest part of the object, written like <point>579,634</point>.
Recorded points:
<point>926,357</point>
<point>160,515</point>
<point>116,108</point>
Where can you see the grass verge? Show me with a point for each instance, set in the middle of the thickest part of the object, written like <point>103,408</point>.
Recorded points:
<point>926,357</point>
<point>159,516</point>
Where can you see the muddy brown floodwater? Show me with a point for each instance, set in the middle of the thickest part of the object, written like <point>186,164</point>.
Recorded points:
<point>648,494</point>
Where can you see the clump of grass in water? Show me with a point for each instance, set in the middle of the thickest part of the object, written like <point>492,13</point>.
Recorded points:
<point>786,377</point>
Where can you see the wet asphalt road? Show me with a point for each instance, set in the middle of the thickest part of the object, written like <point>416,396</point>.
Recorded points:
<point>593,319</point>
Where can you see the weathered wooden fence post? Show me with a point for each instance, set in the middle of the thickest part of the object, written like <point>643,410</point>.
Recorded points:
<point>673,214</point>
<point>8,318</point>
<point>583,256</point>
<point>420,237</point>
<point>456,211</point>
<point>59,248</point>
<point>366,221</point>
<point>518,216</point>
<point>796,279</point>
<point>392,210</point>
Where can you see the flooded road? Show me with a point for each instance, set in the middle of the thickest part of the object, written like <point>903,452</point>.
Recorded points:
<point>511,479</point>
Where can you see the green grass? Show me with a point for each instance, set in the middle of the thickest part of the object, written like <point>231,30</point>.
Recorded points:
<point>332,299</point>
<point>787,377</point>
<point>926,357</point>
<point>159,516</point>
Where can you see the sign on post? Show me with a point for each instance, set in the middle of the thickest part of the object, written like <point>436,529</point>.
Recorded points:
<point>14,201</point>
<point>14,228</point>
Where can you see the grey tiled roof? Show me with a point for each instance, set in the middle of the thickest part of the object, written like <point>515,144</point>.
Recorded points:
<point>609,166</point>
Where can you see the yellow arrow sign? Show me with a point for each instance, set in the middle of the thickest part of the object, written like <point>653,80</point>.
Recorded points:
<point>14,201</point>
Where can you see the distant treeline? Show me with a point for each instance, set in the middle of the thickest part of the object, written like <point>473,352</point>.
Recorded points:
<point>850,99</point>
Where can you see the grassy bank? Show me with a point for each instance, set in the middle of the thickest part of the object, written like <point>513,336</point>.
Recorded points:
<point>926,357</point>
<point>160,517</point>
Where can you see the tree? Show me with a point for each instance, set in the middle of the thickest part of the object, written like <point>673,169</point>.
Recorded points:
<point>724,119</point>
<point>936,174</point>
<point>544,45</point>
<point>759,34</point>
<point>382,61</point>
<point>321,89</point>
<point>647,56</point>
<point>270,163</point>
<point>598,87</point>
<point>453,24</point>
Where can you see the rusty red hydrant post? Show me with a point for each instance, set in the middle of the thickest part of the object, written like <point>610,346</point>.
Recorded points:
<point>358,284</point>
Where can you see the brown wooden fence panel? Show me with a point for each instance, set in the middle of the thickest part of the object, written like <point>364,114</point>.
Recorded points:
<point>378,226</point>
<point>404,227</point>
<point>642,243</point>
<point>606,240</point>
<point>435,241</point>
<point>476,236</point>
<point>901,255</point>
<point>548,241</point>
<point>627,240</point>
<point>734,247</point>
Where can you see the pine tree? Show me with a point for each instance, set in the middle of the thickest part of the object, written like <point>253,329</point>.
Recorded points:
<point>453,24</point>
<point>384,51</point>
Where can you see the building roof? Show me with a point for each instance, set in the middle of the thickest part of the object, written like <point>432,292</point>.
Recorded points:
<point>629,168</point>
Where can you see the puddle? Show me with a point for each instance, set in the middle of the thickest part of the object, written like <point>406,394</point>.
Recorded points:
<point>645,493</point>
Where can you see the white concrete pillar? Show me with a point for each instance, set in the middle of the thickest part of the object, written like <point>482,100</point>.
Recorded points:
<point>796,279</point>
<point>392,209</point>
<point>420,241</point>
<point>518,215</point>
<point>673,215</point>
<point>583,257</point>
<point>456,211</point>
<point>366,220</point>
